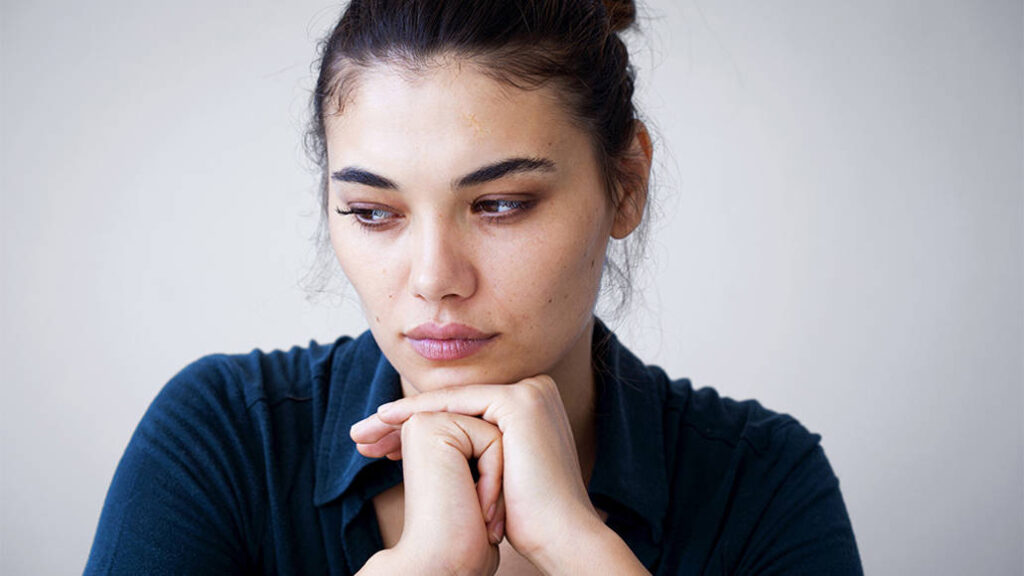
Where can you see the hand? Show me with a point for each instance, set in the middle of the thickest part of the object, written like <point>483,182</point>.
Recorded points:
<point>546,502</point>
<point>450,527</point>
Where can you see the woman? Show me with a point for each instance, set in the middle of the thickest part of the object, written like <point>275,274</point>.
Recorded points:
<point>478,158</point>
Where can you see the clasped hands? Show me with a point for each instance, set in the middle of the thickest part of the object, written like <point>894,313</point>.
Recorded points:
<point>530,488</point>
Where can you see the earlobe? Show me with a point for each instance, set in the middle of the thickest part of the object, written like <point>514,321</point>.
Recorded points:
<point>633,198</point>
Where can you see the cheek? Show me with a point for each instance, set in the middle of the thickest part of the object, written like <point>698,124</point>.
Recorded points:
<point>369,269</point>
<point>549,276</point>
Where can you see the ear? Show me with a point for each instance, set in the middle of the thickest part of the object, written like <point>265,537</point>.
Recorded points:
<point>629,211</point>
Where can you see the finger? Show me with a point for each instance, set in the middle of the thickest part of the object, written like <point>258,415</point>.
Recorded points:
<point>488,486</point>
<point>389,444</point>
<point>487,450</point>
<point>461,437</point>
<point>496,526</point>
<point>442,507</point>
<point>472,400</point>
<point>370,429</point>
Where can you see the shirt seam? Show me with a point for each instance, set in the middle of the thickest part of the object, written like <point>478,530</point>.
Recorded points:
<point>267,516</point>
<point>743,438</point>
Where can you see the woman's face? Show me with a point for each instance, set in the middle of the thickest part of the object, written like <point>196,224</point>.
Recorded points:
<point>473,226</point>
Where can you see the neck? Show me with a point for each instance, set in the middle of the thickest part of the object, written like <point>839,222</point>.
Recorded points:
<point>577,387</point>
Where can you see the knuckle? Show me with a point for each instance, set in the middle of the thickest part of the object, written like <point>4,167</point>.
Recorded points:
<point>541,383</point>
<point>435,428</point>
<point>545,383</point>
<point>416,419</point>
<point>531,394</point>
<point>417,423</point>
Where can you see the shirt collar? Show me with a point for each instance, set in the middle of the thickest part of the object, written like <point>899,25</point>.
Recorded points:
<point>360,380</point>
<point>629,472</point>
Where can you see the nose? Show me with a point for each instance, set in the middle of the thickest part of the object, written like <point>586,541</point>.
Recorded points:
<point>441,267</point>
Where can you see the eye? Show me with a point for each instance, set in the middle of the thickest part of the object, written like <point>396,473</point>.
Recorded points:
<point>369,217</point>
<point>501,207</point>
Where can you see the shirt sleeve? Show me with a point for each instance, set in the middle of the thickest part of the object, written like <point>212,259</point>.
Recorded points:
<point>805,527</point>
<point>181,498</point>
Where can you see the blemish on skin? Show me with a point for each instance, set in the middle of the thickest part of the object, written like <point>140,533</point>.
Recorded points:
<point>478,128</point>
<point>550,300</point>
<point>377,318</point>
<point>390,296</point>
<point>592,262</point>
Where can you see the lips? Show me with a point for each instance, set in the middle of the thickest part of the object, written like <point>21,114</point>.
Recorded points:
<point>446,342</point>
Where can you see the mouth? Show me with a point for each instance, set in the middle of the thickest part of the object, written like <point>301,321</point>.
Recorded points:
<point>446,342</point>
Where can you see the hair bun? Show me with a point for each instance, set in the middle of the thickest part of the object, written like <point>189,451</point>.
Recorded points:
<point>621,14</point>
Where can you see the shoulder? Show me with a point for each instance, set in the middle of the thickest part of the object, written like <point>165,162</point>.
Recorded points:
<point>697,423</point>
<point>748,489</point>
<point>759,480</point>
<point>701,430</point>
<point>238,382</point>
<point>233,404</point>
<point>258,375</point>
<point>703,413</point>
<point>739,443</point>
<point>225,436</point>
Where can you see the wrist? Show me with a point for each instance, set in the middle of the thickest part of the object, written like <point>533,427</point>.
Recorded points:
<point>592,548</point>
<point>407,560</point>
<point>383,562</point>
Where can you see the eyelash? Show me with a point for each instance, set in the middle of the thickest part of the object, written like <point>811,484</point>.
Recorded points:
<point>365,216</point>
<point>515,207</point>
<point>496,211</point>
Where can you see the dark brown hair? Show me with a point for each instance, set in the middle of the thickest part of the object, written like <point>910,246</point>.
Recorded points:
<point>572,45</point>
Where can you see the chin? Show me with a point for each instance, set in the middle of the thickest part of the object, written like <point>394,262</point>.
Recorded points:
<point>424,379</point>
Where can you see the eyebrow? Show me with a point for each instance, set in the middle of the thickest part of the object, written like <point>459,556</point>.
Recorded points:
<point>481,175</point>
<point>504,168</point>
<point>364,177</point>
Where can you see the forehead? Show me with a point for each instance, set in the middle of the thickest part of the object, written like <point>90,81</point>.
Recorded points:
<point>445,116</point>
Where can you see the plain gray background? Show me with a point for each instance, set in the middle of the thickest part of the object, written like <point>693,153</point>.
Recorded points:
<point>840,236</point>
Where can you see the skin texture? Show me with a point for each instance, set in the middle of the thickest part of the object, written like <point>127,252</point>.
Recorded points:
<point>530,277</point>
<point>518,259</point>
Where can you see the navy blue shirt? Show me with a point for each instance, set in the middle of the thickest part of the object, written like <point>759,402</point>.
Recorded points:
<point>243,465</point>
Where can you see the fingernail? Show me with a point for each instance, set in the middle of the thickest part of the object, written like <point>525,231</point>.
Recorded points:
<point>497,532</point>
<point>490,513</point>
<point>385,407</point>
